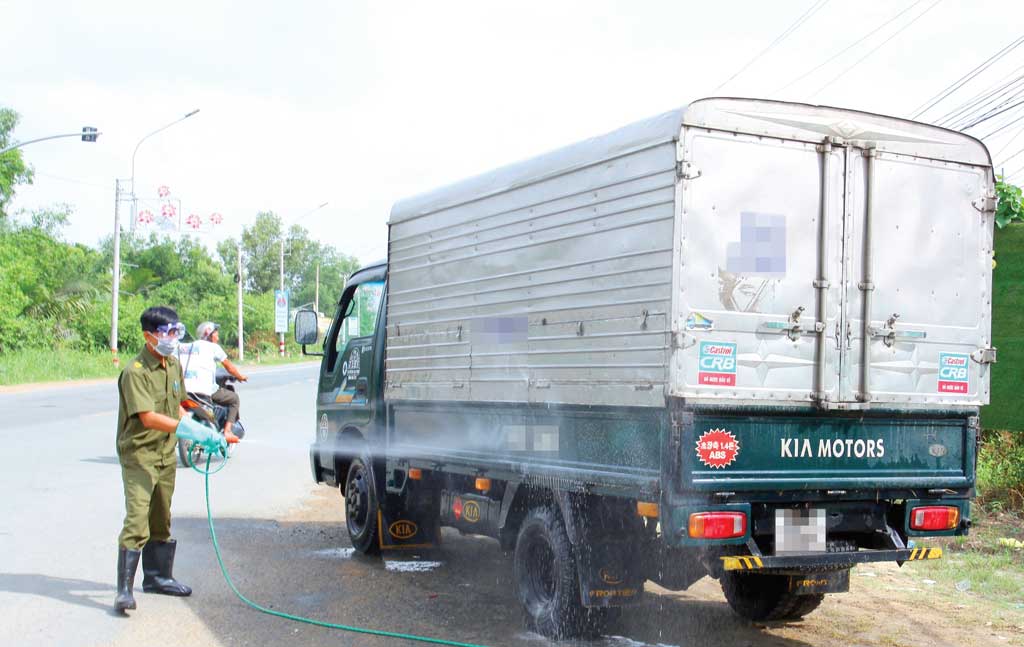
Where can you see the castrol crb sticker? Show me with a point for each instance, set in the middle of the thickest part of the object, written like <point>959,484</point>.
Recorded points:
<point>717,448</point>
<point>717,364</point>
<point>954,376</point>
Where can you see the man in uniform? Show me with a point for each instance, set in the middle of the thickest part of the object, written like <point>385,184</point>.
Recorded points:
<point>149,420</point>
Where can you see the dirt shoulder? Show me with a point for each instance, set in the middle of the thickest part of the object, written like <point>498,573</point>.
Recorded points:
<point>974,597</point>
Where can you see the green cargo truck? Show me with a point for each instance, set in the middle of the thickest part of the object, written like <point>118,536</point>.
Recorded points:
<point>746,339</point>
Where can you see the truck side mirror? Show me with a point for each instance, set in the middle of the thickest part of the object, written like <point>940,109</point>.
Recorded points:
<point>306,327</point>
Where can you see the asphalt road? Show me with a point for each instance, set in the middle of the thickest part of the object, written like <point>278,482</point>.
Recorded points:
<point>285,545</point>
<point>283,538</point>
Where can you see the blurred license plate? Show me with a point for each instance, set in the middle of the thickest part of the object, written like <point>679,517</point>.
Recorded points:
<point>800,531</point>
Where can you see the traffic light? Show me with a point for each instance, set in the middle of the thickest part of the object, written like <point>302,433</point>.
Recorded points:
<point>89,134</point>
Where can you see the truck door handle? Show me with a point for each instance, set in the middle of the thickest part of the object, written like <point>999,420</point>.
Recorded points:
<point>889,334</point>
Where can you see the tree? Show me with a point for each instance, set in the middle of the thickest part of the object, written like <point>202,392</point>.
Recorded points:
<point>13,170</point>
<point>261,254</point>
<point>1010,207</point>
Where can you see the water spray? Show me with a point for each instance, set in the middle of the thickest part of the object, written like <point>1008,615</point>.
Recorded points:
<point>206,472</point>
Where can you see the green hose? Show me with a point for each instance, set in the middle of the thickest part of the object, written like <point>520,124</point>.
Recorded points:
<point>287,616</point>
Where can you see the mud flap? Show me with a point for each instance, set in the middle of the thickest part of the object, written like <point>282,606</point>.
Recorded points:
<point>403,529</point>
<point>610,573</point>
<point>825,582</point>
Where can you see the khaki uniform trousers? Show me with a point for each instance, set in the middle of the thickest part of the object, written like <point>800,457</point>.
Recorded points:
<point>147,501</point>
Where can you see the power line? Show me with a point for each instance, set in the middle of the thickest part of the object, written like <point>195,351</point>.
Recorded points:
<point>956,85</point>
<point>979,102</point>
<point>1010,158</point>
<point>995,114</point>
<point>1013,120</point>
<point>847,48</point>
<point>878,47</point>
<point>981,114</point>
<point>818,4</point>
<point>1009,142</point>
<point>72,180</point>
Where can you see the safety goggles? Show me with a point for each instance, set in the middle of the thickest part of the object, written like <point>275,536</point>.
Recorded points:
<point>176,329</point>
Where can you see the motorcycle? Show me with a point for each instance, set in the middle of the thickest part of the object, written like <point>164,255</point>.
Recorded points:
<point>206,412</point>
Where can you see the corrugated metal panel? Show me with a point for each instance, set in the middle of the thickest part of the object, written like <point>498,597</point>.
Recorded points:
<point>562,278</point>
<point>554,291</point>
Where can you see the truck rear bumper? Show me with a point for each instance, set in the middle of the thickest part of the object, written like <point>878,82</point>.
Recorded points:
<point>835,560</point>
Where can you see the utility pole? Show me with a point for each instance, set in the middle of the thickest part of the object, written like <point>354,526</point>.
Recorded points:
<point>116,287</point>
<point>316,295</point>
<point>241,345</point>
<point>280,342</point>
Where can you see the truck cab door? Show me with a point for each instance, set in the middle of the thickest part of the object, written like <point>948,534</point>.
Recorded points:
<point>346,393</point>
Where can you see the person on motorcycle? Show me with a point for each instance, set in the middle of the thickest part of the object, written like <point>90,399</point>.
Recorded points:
<point>199,361</point>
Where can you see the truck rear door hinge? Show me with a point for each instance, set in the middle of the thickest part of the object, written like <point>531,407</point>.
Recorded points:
<point>986,203</point>
<point>687,171</point>
<point>984,356</point>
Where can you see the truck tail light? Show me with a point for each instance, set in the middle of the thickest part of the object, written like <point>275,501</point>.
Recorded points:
<point>718,525</point>
<point>934,517</point>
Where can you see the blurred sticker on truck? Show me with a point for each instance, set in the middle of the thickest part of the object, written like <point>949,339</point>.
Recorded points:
<point>717,448</point>
<point>717,364</point>
<point>953,373</point>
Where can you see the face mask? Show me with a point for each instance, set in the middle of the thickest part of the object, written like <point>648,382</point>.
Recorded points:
<point>166,346</point>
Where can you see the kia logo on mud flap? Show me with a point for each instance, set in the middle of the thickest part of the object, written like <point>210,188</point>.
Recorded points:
<point>403,529</point>
<point>471,512</point>
<point>609,577</point>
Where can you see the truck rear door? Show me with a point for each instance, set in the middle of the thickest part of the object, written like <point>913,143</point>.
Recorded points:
<point>789,235</point>
<point>919,267</point>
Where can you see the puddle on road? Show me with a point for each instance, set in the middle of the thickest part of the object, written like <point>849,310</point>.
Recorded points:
<point>603,641</point>
<point>336,553</point>
<point>411,566</point>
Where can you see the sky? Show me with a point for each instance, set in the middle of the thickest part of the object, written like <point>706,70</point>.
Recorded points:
<point>361,104</point>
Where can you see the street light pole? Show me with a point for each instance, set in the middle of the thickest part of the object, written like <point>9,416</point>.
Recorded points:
<point>88,135</point>
<point>162,128</point>
<point>241,345</point>
<point>116,279</point>
<point>280,344</point>
<point>284,232</point>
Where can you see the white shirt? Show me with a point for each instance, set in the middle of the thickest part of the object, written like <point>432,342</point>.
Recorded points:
<point>199,362</point>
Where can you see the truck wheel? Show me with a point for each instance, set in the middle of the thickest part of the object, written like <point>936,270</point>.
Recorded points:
<point>361,506</point>
<point>544,570</point>
<point>766,597</point>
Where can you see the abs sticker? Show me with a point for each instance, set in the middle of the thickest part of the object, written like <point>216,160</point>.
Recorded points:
<point>953,373</point>
<point>717,365</point>
<point>717,448</point>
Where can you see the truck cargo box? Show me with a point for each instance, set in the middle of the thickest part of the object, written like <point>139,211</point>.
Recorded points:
<point>732,252</point>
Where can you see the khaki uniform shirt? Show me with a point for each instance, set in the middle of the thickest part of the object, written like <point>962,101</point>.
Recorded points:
<point>147,385</point>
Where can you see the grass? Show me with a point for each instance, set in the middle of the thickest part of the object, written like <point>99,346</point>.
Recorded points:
<point>28,366</point>
<point>993,570</point>
<point>25,366</point>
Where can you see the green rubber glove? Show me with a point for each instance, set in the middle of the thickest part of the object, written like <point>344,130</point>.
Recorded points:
<point>190,429</point>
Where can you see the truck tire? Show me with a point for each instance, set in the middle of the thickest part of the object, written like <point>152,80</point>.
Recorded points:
<point>766,597</point>
<point>544,571</point>
<point>360,494</point>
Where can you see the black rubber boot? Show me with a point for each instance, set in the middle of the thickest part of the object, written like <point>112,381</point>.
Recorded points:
<point>127,564</point>
<point>157,567</point>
